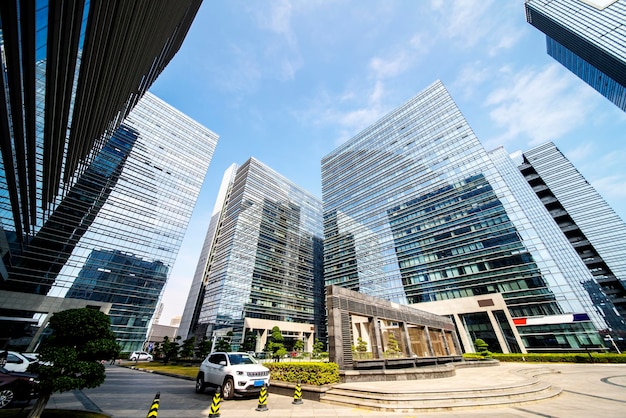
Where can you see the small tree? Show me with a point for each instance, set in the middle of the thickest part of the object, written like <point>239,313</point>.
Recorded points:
<point>481,347</point>
<point>361,346</point>
<point>204,347</point>
<point>392,344</point>
<point>275,343</point>
<point>249,341</point>
<point>170,349</point>
<point>223,344</point>
<point>70,357</point>
<point>318,347</point>
<point>298,345</point>
<point>187,348</point>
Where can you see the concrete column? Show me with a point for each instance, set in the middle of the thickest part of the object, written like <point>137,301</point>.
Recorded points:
<point>518,339</point>
<point>308,343</point>
<point>498,332</point>
<point>261,340</point>
<point>468,346</point>
<point>335,340</point>
<point>377,347</point>
<point>35,340</point>
<point>457,344</point>
<point>445,341</point>
<point>430,343</point>
<point>406,339</point>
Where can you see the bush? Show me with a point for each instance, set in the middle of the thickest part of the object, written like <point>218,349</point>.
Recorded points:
<point>308,373</point>
<point>561,357</point>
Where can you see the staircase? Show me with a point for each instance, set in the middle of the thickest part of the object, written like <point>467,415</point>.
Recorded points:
<point>415,396</point>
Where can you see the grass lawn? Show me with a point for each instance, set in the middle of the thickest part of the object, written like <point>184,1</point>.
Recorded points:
<point>178,369</point>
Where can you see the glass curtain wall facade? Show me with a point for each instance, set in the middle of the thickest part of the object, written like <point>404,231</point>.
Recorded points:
<point>72,70</point>
<point>592,228</point>
<point>588,38</point>
<point>265,259</point>
<point>115,235</point>
<point>415,210</point>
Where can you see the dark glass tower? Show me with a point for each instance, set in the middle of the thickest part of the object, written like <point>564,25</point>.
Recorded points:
<point>73,179</point>
<point>591,226</point>
<point>588,38</point>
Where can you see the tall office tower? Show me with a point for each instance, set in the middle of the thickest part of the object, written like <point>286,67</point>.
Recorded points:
<point>415,210</point>
<point>594,230</point>
<point>262,262</point>
<point>72,70</point>
<point>588,38</point>
<point>115,235</point>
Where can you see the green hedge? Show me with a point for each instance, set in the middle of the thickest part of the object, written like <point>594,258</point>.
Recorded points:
<point>308,373</point>
<point>559,357</point>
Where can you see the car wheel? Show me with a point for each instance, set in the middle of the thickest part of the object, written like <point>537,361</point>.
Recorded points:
<point>200,383</point>
<point>6,397</point>
<point>228,390</point>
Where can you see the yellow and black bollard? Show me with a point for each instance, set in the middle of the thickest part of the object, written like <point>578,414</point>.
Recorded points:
<point>297,395</point>
<point>215,405</point>
<point>262,406</point>
<point>154,409</point>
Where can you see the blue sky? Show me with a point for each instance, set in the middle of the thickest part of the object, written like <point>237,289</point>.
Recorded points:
<point>288,81</point>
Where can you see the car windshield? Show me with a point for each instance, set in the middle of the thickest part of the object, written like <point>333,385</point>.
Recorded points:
<point>240,359</point>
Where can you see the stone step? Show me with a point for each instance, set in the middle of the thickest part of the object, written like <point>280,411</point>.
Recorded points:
<point>420,400</point>
<point>443,405</point>
<point>408,395</point>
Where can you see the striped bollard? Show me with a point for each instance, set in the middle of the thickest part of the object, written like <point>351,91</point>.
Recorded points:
<point>262,406</point>
<point>154,409</point>
<point>215,405</point>
<point>297,395</point>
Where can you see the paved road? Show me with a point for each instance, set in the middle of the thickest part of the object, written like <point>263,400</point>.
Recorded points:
<point>589,391</point>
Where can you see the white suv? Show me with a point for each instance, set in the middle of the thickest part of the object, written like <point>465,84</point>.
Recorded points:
<point>140,355</point>
<point>236,373</point>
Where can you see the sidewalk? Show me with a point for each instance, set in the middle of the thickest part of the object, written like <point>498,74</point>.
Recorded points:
<point>588,390</point>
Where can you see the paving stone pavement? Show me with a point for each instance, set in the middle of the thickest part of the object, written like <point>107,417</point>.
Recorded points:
<point>589,390</point>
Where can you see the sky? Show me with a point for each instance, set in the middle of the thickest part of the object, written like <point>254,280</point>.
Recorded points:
<point>287,82</point>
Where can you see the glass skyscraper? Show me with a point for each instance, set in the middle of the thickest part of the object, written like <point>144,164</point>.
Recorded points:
<point>415,210</point>
<point>74,183</point>
<point>591,226</point>
<point>261,265</point>
<point>115,235</point>
<point>588,38</point>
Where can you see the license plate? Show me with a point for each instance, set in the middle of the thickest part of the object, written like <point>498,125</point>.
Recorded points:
<point>258,383</point>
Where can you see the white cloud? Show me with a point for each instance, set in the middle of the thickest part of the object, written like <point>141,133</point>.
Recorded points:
<point>471,77</point>
<point>276,18</point>
<point>282,52</point>
<point>542,105</point>
<point>390,67</point>
<point>581,153</point>
<point>475,23</point>
<point>611,186</point>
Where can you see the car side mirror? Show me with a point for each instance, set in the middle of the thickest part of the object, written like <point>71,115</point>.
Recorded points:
<point>222,363</point>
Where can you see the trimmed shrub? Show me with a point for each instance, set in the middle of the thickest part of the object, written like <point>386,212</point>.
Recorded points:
<point>561,357</point>
<point>308,373</point>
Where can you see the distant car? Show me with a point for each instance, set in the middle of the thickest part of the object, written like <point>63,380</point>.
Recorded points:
<point>16,362</point>
<point>140,355</point>
<point>236,373</point>
<point>16,386</point>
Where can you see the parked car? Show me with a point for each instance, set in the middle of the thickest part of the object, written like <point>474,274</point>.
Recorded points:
<point>236,373</point>
<point>32,357</point>
<point>16,362</point>
<point>140,355</point>
<point>16,386</point>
